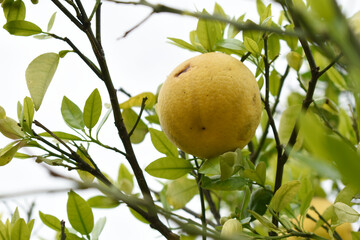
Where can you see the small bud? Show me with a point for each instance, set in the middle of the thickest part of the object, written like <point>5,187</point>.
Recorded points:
<point>231,228</point>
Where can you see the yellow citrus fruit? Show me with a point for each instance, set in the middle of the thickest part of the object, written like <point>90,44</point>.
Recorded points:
<point>321,204</point>
<point>210,104</point>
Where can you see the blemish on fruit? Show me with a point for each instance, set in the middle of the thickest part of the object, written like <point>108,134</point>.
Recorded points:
<point>203,128</point>
<point>183,71</point>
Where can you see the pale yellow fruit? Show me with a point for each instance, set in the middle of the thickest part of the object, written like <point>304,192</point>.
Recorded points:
<point>231,228</point>
<point>321,204</point>
<point>210,104</point>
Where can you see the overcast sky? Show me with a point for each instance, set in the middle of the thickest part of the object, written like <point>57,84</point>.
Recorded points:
<point>138,63</point>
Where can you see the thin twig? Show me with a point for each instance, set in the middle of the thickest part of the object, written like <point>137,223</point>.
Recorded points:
<point>202,201</point>
<point>68,14</point>
<point>139,117</point>
<point>136,26</point>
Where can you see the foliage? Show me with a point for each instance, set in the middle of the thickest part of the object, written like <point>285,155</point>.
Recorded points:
<point>262,188</point>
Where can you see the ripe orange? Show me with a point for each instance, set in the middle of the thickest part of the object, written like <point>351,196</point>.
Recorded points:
<point>210,104</point>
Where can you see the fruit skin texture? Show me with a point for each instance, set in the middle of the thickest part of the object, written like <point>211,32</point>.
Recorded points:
<point>210,104</point>
<point>321,204</point>
<point>231,228</point>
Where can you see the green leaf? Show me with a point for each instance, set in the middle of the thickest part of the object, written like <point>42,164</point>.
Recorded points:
<point>162,143</point>
<point>265,16</point>
<point>182,44</point>
<point>306,194</point>
<point>273,46</point>
<point>208,32</point>
<point>181,191</point>
<point>169,167</point>
<point>8,152</point>
<point>102,202</point>
<point>102,122</point>
<point>51,22</point>
<point>136,101</point>
<point>50,221</point>
<point>138,216</point>
<point>79,213</point>
<point>260,7</point>
<point>345,213</point>
<point>15,11</point>
<point>263,220</point>
<point>22,28</point>
<point>274,82</point>
<point>2,113</point>
<point>63,53</point>
<point>292,42</point>
<point>287,123</point>
<point>28,114</point>
<point>259,200</point>
<point>227,164</point>
<point>84,175</point>
<point>284,195</point>
<point>251,46</point>
<point>232,30</point>
<point>211,166</point>
<point>72,114</point>
<point>347,194</point>
<point>10,128</point>
<point>125,180</point>
<point>99,226</point>
<point>39,74</point>
<point>231,46</point>
<point>231,184</point>
<point>15,216</point>
<point>61,135</point>
<point>294,60</point>
<point>20,230</point>
<point>92,109</point>
<point>130,117</point>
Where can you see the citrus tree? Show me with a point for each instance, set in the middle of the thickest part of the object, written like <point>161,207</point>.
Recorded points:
<point>254,154</point>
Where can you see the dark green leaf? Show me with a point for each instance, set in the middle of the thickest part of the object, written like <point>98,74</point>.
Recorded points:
<point>22,28</point>
<point>169,167</point>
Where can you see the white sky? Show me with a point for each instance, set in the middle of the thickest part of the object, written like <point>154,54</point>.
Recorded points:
<point>138,63</point>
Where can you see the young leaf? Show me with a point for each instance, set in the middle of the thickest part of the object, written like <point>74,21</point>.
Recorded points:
<point>260,7</point>
<point>136,101</point>
<point>85,176</point>
<point>138,216</point>
<point>306,194</point>
<point>61,135</point>
<point>72,114</point>
<point>2,113</point>
<point>22,28</point>
<point>125,180</point>
<point>10,128</point>
<point>8,153</point>
<point>79,214</point>
<point>162,143</point>
<point>169,167</point>
<point>20,230</point>
<point>130,117</point>
<point>51,22</point>
<point>102,202</point>
<point>99,226</point>
<point>294,60</point>
<point>28,114</point>
<point>181,191</point>
<point>50,221</point>
<point>284,195</point>
<point>102,122</point>
<point>287,123</point>
<point>251,46</point>
<point>273,46</point>
<point>347,194</point>
<point>274,82</point>
<point>227,164</point>
<point>92,109</point>
<point>39,74</point>
<point>182,44</point>
<point>208,32</point>
<point>14,11</point>
<point>263,220</point>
